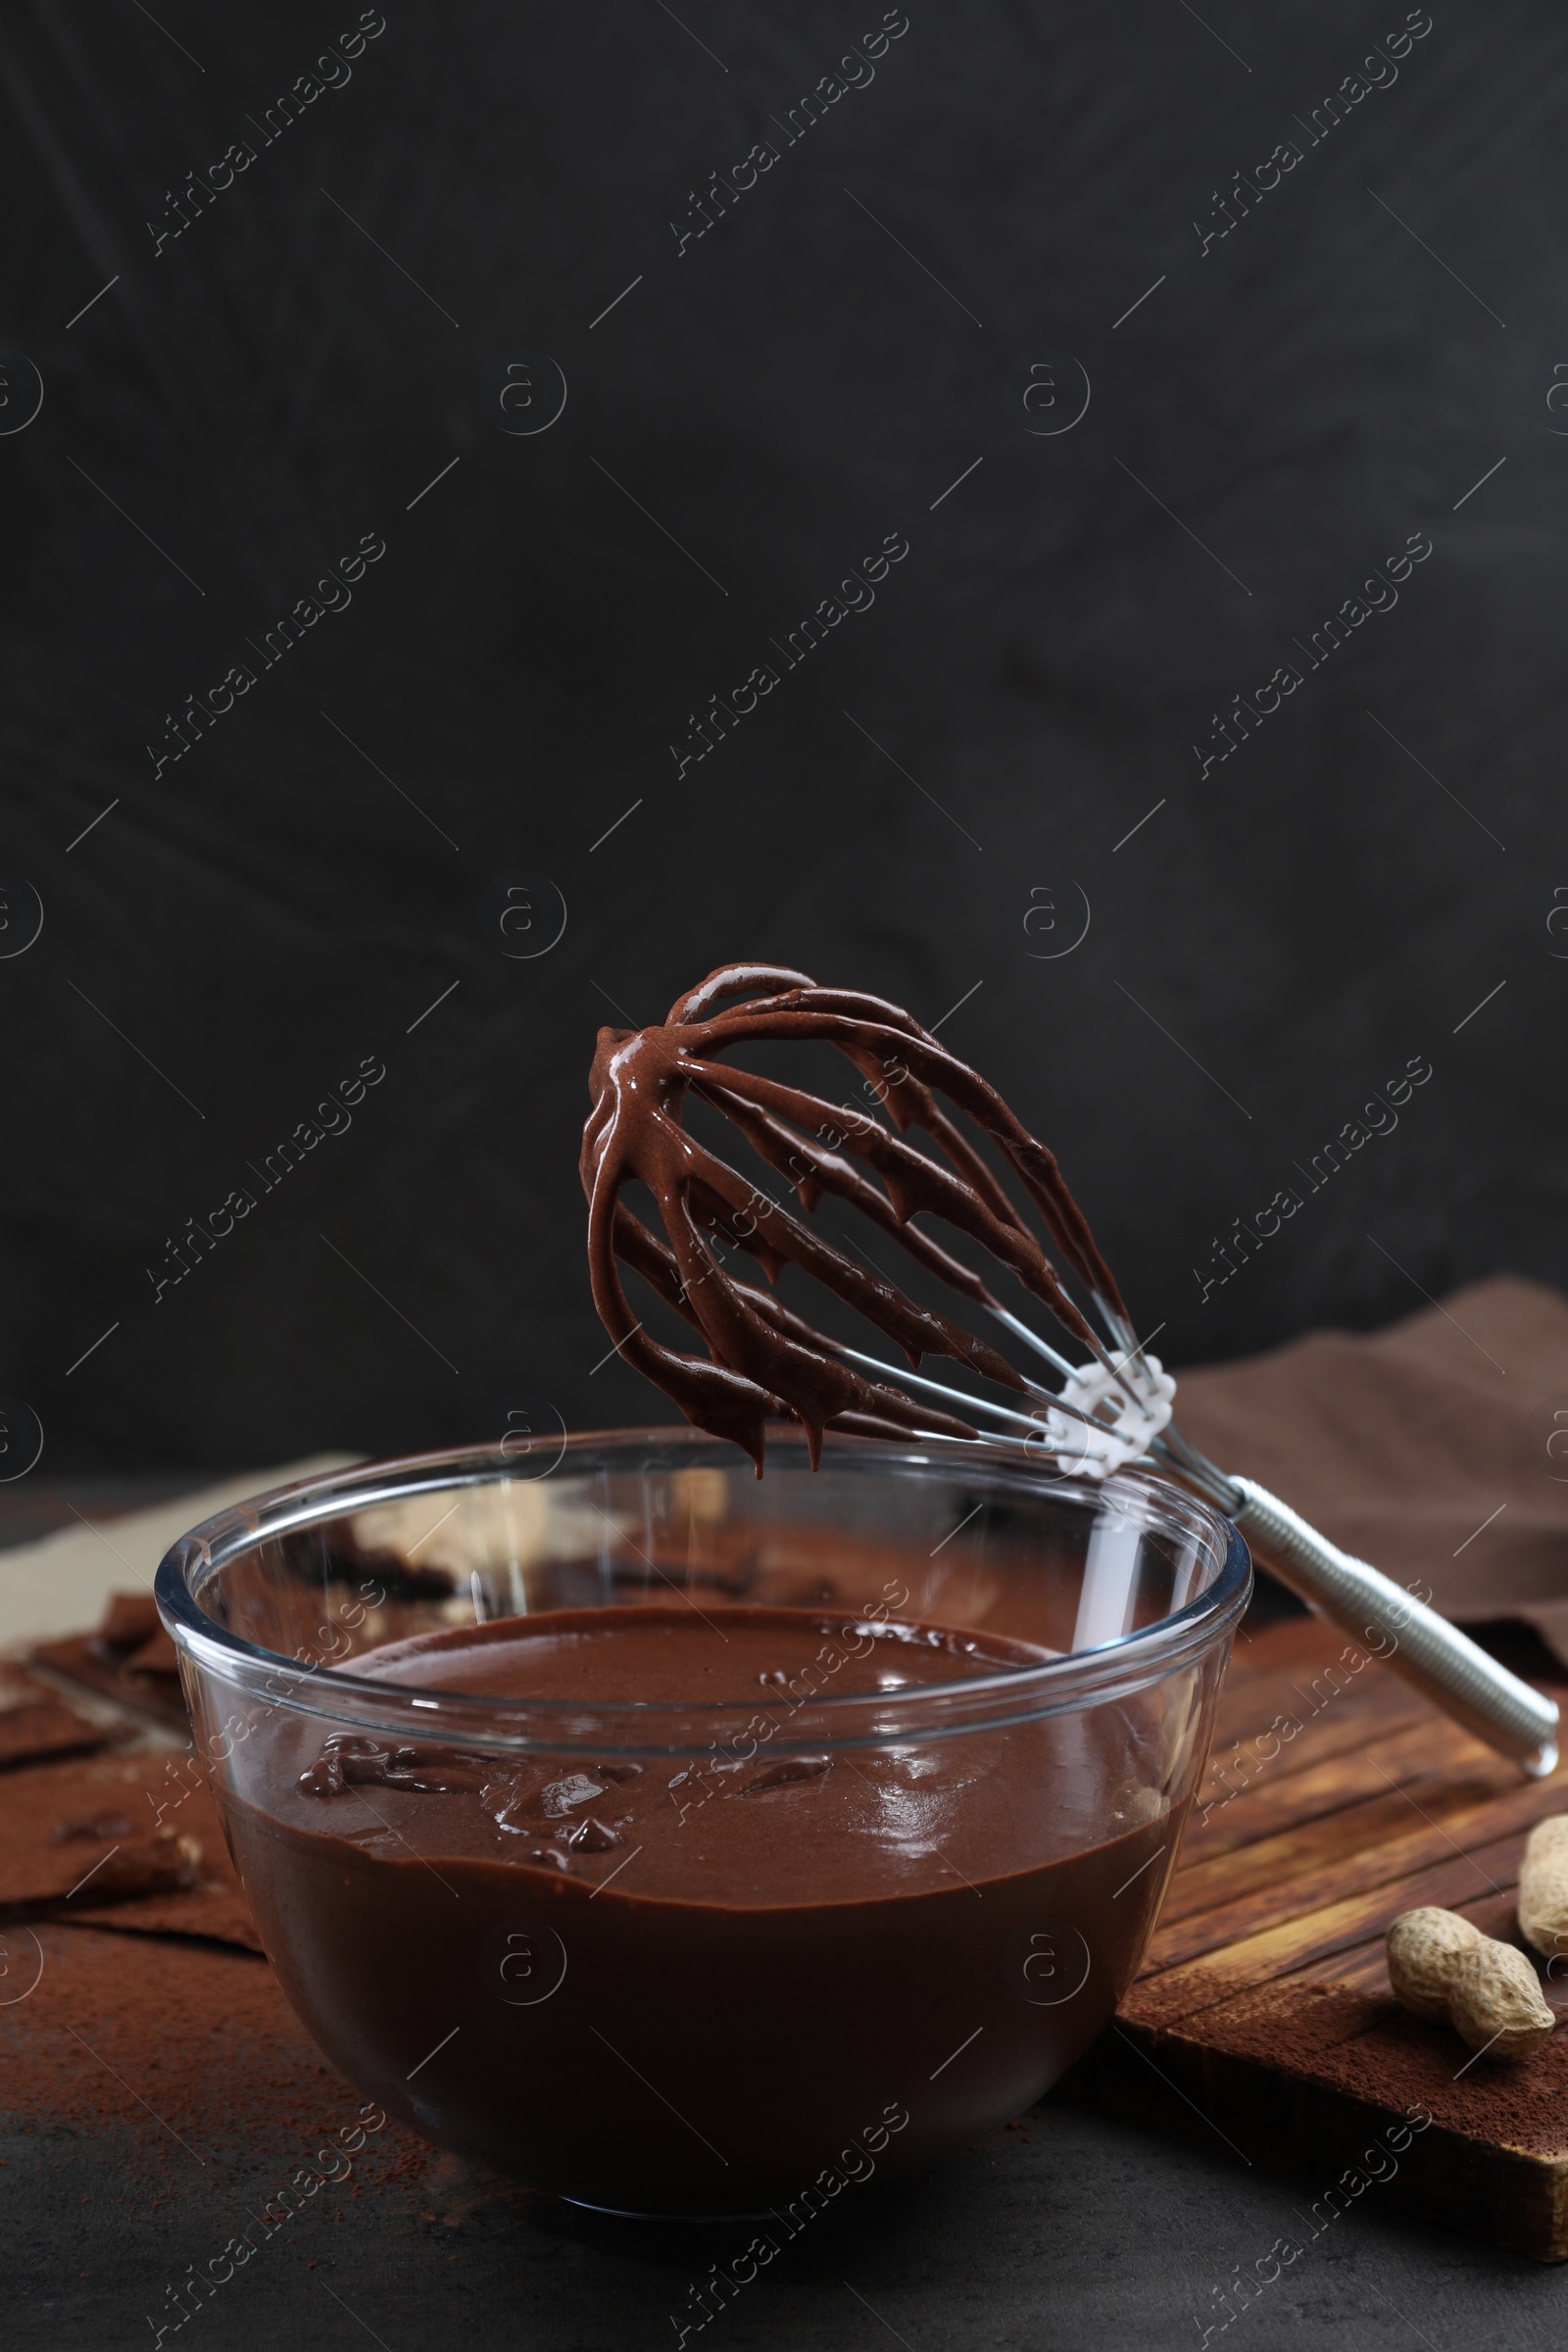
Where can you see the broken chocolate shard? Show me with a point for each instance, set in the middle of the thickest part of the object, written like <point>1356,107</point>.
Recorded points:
<point>564,1795</point>
<point>46,1727</point>
<point>157,1865</point>
<point>594,1837</point>
<point>126,1658</point>
<point>130,1619</point>
<point>350,1760</point>
<point>785,1773</point>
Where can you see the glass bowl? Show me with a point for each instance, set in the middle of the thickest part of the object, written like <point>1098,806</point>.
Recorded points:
<point>688,1844</point>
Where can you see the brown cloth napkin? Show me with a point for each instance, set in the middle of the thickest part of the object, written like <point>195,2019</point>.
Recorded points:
<point>1432,1448</point>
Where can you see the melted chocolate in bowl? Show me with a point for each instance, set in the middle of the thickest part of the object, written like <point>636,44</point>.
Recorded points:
<point>677,1985</point>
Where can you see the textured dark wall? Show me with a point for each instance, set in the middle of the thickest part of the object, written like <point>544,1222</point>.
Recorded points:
<point>1293,402</point>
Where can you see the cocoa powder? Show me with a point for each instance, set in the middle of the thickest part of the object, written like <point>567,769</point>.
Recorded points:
<point>192,2047</point>
<point>1364,2044</point>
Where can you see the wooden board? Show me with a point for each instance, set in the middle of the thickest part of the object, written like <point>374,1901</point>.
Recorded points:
<point>1262,2021</point>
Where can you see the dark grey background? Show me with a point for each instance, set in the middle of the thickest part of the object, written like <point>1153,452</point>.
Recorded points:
<point>1269,946</point>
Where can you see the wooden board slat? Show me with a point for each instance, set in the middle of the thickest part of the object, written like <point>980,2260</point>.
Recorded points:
<point>1388,1849</point>
<point>1305,1788</point>
<point>1262,2020</point>
<point>1341,1805</point>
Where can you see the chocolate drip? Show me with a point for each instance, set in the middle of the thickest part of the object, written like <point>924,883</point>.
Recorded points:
<point>763,1359</point>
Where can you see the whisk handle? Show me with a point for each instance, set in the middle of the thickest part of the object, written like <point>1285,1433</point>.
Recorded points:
<point>1427,1651</point>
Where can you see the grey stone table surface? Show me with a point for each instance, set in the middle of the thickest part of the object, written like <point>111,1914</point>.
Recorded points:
<point>1072,2231</point>
<point>1069,2230</point>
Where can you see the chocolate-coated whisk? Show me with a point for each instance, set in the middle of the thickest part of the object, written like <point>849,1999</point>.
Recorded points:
<point>765,1361</point>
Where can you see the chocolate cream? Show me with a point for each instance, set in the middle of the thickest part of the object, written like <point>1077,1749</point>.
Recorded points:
<point>763,1360</point>
<point>684,1983</point>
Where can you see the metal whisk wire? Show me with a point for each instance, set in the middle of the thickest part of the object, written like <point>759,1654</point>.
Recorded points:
<point>764,1361</point>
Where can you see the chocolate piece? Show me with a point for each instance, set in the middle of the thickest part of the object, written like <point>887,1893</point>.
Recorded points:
<point>765,1360</point>
<point>591,1837</point>
<point>129,1656</point>
<point>350,1761</point>
<point>130,1619</point>
<point>46,1727</point>
<point>209,1912</point>
<point>157,1655</point>
<point>59,1827</point>
<point>784,1946</point>
<point>139,1866</point>
<point>785,1772</point>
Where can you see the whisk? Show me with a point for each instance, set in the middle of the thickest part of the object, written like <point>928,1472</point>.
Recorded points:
<point>765,1361</point>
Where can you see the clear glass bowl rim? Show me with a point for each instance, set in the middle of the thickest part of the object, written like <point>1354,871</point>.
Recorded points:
<point>1077,1679</point>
